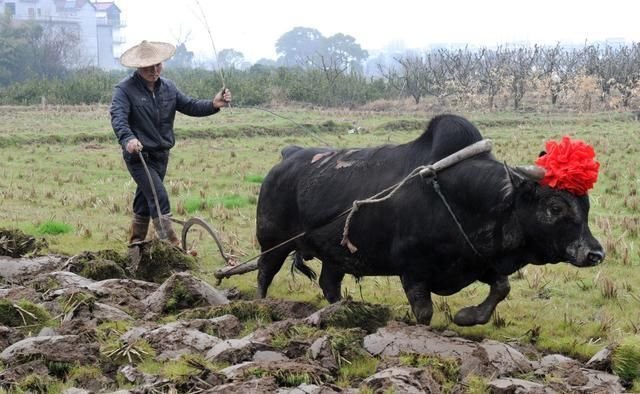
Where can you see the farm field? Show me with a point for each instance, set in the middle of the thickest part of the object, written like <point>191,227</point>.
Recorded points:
<point>62,165</point>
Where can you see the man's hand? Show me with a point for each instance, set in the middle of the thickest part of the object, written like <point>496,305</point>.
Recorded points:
<point>222,99</point>
<point>134,146</point>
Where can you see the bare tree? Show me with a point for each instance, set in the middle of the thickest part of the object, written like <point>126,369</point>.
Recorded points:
<point>180,36</point>
<point>599,63</point>
<point>491,73</point>
<point>412,77</point>
<point>558,69</point>
<point>520,71</point>
<point>183,57</point>
<point>439,76</point>
<point>461,67</point>
<point>626,72</point>
<point>332,69</point>
<point>56,48</point>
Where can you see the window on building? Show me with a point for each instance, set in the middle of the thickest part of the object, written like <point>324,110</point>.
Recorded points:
<point>32,13</point>
<point>10,9</point>
<point>39,12</point>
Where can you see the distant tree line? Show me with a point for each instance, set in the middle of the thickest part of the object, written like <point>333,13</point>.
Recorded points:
<point>556,72</point>
<point>36,62</point>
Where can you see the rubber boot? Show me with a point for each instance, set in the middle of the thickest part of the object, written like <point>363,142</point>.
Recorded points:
<point>137,235</point>
<point>139,229</point>
<point>165,231</point>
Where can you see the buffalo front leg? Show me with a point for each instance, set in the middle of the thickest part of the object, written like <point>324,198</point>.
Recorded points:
<point>480,314</point>
<point>419,298</point>
<point>330,282</point>
<point>268,266</point>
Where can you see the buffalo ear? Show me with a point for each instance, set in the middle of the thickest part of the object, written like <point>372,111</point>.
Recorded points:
<point>521,182</point>
<point>515,177</point>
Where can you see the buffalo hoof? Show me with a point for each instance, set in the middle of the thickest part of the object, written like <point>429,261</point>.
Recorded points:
<point>470,316</point>
<point>423,317</point>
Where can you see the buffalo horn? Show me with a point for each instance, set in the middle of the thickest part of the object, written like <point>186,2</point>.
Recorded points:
<point>533,172</point>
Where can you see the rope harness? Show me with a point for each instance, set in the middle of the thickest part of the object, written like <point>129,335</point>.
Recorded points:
<point>373,200</point>
<point>429,174</point>
<point>436,187</point>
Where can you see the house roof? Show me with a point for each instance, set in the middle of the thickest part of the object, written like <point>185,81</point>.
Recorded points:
<point>72,4</point>
<point>105,5</point>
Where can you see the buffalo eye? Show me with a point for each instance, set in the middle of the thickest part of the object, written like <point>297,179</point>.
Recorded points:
<point>555,210</point>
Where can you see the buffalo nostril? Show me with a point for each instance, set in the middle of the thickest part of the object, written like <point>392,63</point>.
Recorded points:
<point>595,257</point>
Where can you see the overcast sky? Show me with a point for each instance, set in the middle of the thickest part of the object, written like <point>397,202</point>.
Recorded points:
<point>253,26</point>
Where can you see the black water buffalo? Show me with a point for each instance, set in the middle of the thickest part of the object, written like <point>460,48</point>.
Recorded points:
<point>489,221</point>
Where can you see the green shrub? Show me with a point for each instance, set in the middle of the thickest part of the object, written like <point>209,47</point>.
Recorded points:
<point>259,85</point>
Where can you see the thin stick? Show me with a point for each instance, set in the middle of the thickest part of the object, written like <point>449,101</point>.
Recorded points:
<point>306,128</point>
<point>203,19</point>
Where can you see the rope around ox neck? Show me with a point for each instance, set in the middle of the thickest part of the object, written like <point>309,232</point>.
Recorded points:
<point>373,200</point>
<point>424,171</point>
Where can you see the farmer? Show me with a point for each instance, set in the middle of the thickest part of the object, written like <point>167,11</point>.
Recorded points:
<point>142,113</point>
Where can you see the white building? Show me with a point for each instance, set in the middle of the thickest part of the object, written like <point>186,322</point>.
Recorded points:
<point>97,23</point>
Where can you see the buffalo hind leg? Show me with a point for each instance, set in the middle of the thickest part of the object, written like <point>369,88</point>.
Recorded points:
<point>268,266</point>
<point>330,282</point>
<point>480,314</point>
<point>419,298</point>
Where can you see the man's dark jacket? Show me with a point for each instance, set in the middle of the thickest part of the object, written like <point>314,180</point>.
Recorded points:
<point>148,116</point>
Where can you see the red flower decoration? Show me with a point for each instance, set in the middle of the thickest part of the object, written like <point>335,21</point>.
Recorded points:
<point>569,165</point>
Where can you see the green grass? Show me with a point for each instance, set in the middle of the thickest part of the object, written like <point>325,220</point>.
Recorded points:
<point>52,227</point>
<point>198,204</point>
<point>25,316</point>
<point>626,359</point>
<point>64,165</point>
<point>357,369</point>
<point>254,178</point>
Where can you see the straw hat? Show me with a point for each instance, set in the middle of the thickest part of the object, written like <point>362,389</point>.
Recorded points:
<point>147,53</point>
